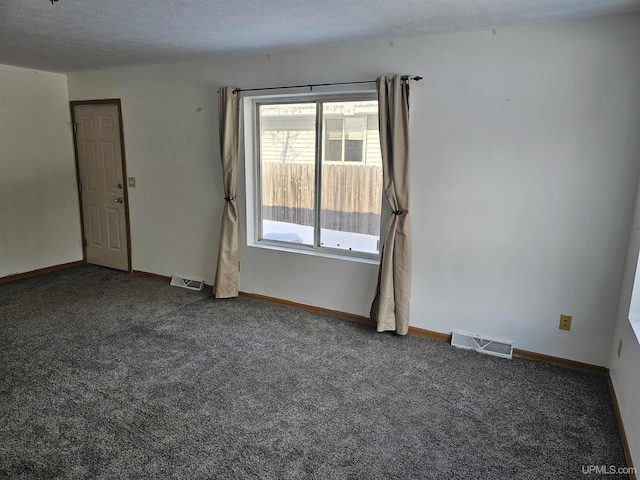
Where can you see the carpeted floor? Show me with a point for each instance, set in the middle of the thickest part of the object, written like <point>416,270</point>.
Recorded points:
<point>105,375</point>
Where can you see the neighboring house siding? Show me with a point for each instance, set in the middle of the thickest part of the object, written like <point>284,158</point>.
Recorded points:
<point>287,146</point>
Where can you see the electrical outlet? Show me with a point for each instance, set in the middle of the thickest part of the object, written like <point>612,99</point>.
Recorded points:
<point>132,181</point>
<point>239,266</point>
<point>619,347</point>
<point>565,322</point>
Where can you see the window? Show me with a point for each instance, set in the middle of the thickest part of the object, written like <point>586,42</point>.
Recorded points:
<point>634,307</point>
<point>317,172</point>
<point>344,139</point>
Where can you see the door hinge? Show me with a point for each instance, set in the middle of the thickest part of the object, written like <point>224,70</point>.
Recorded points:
<point>74,125</point>
<point>80,187</point>
<point>84,242</point>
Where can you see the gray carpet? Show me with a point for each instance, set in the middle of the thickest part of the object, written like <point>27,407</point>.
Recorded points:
<point>105,375</point>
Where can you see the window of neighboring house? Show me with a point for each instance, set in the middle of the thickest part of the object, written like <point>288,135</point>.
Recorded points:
<point>344,139</point>
<point>317,173</point>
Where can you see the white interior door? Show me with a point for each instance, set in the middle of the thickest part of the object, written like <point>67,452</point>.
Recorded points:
<point>102,184</point>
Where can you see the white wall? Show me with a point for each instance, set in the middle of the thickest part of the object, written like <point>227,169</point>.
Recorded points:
<point>625,370</point>
<point>524,166</point>
<point>39,213</point>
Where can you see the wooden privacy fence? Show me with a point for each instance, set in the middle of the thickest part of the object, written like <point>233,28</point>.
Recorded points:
<point>351,195</point>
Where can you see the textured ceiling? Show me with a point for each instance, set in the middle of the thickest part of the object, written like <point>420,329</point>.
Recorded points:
<point>76,35</point>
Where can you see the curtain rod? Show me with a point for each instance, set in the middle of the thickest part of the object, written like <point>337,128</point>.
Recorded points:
<point>311,85</point>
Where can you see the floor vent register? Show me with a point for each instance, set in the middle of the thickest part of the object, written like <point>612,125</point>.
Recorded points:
<point>188,283</point>
<point>498,348</point>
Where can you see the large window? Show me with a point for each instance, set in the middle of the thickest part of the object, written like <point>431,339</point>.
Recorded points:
<point>317,173</point>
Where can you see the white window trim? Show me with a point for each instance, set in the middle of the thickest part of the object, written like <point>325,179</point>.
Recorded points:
<point>634,305</point>
<point>250,124</point>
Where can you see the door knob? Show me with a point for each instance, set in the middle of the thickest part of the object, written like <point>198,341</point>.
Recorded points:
<point>119,200</point>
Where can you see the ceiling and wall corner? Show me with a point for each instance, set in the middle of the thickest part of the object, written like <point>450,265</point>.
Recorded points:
<point>73,35</point>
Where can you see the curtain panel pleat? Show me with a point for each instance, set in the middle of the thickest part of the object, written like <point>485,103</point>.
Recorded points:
<point>226,281</point>
<point>390,308</point>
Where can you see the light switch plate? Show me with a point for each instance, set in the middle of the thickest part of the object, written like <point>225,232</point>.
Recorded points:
<point>132,181</point>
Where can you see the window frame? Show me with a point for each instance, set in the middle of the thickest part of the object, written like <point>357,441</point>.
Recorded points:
<point>633,314</point>
<point>252,132</point>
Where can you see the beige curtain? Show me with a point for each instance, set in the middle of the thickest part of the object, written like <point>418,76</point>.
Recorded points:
<point>226,283</point>
<point>390,309</point>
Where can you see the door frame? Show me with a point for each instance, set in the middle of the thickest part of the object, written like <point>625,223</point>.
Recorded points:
<point>118,103</point>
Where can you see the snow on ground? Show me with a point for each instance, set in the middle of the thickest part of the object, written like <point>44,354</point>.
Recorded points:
<point>291,232</point>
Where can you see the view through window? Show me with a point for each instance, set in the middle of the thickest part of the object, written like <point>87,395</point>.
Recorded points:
<point>320,174</point>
